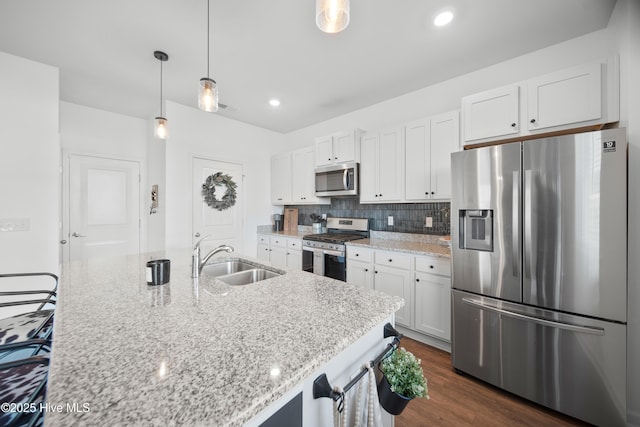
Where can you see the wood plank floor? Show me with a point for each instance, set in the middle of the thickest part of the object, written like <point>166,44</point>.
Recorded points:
<point>460,400</point>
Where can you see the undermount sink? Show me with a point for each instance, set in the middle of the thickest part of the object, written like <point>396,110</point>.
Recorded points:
<point>248,276</point>
<point>236,272</point>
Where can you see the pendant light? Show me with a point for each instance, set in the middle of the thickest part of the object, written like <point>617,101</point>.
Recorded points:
<point>160,129</point>
<point>332,16</point>
<point>208,91</point>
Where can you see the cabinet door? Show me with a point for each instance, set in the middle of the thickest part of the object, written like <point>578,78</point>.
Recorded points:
<point>491,114</point>
<point>565,97</point>
<point>294,259</point>
<point>281,179</point>
<point>417,140</point>
<point>360,274</point>
<point>324,151</point>
<point>263,252</point>
<point>390,165</point>
<point>303,176</point>
<point>396,281</point>
<point>433,305</point>
<point>369,168</point>
<point>278,256</point>
<point>445,139</point>
<point>344,147</point>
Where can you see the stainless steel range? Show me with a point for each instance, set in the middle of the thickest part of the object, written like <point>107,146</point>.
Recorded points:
<point>324,254</point>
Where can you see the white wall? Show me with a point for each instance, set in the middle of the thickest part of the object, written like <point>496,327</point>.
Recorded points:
<point>196,133</point>
<point>89,131</point>
<point>622,36</point>
<point>29,164</point>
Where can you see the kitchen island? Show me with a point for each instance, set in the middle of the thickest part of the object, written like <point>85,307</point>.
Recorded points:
<point>200,352</point>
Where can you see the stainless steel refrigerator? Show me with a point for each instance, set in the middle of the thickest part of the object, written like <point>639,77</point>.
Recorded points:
<point>539,252</point>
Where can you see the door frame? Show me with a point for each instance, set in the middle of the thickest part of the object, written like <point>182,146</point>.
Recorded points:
<point>64,233</point>
<point>192,157</point>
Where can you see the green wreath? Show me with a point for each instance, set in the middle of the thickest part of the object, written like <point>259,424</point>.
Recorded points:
<point>209,191</point>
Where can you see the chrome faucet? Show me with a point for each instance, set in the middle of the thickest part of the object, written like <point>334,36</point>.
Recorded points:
<point>197,263</point>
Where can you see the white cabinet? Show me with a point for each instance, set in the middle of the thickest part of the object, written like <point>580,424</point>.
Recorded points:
<point>396,281</point>
<point>303,176</point>
<point>281,179</point>
<point>432,292</point>
<point>579,97</point>
<point>568,96</point>
<point>382,166</point>
<point>340,147</point>
<point>360,266</point>
<point>293,178</point>
<point>491,114</point>
<point>428,146</point>
<point>280,251</point>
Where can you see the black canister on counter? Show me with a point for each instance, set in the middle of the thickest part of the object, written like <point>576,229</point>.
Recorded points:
<point>158,271</point>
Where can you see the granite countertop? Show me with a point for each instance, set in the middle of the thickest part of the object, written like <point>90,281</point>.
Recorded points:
<point>289,233</point>
<point>194,353</point>
<point>442,250</point>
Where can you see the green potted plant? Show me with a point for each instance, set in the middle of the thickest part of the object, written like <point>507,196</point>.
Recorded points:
<point>402,381</point>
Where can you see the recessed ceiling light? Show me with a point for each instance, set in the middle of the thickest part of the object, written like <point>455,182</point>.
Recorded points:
<point>274,102</point>
<point>443,19</point>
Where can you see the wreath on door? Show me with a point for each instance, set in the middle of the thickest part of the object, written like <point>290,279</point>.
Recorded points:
<point>209,191</point>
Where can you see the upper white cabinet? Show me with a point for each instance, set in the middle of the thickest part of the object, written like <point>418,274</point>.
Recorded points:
<point>491,114</point>
<point>293,178</point>
<point>340,147</point>
<point>303,176</point>
<point>577,97</point>
<point>382,166</point>
<point>428,146</point>
<point>568,96</point>
<point>281,179</point>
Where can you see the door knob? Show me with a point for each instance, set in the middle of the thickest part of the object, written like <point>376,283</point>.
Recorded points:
<point>197,234</point>
<point>64,242</point>
<point>76,234</point>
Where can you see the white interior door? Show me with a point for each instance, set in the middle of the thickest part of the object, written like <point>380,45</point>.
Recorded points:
<point>224,227</point>
<point>104,207</point>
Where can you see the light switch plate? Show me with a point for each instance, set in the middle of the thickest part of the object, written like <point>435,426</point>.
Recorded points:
<point>14,224</point>
<point>428,222</point>
<point>390,220</point>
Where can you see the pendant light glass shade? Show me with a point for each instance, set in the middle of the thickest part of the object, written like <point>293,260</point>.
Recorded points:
<point>160,124</point>
<point>208,95</point>
<point>332,16</point>
<point>160,128</point>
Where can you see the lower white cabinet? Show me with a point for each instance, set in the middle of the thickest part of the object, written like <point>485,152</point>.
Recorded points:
<point>423,281</point>
<point>280,251</point>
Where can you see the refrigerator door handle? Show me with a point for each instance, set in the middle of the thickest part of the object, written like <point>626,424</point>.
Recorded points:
<point>551,323</point>
<point>515,215</point>
<point>527,232</point>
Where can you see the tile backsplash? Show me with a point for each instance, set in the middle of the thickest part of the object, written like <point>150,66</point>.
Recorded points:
<point>407,217</point>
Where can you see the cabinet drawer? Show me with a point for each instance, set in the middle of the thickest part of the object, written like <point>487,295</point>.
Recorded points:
<point>393,259</point>
<point>433,265</point>
<point>359,254</point>
<point>278,242</point>
<point>263,239</point>
<point>294,244</point>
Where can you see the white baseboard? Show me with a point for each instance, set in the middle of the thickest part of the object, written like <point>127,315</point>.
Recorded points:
<point>425,339</point>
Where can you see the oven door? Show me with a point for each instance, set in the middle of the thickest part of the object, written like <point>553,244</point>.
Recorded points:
<point>325,262</point>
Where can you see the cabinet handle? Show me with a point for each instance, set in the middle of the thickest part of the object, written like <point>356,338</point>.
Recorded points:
<point>335,158</point>
<point>426,192</point>
<point>433,192</point>
<point>366,269</point>
<point>533,120</point>
<point>513,125</point>
<point>376,271</point>
<point>417,280</point>
<point>380,195</point>
<point>431,266</point>
<point>390,259</point>
<point>357,254</point>
<point>329,159</point>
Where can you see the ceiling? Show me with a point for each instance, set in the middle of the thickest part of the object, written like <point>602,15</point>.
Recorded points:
<point>262,49</point>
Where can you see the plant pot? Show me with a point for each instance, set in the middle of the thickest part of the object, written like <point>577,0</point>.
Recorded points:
<point>391,401</point>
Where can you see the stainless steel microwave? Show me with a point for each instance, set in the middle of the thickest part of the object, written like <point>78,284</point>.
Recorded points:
<point>337,180</point>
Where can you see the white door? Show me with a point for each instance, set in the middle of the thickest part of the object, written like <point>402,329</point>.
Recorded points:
<point>104,207</point>
<point>225,227</point>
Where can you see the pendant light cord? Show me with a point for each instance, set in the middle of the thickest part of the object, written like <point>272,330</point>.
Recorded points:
<point>161,88</point>
<point>208,19</point>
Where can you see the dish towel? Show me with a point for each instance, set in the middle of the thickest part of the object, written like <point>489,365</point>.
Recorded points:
<point>371,416</point>
<point>340,410</point>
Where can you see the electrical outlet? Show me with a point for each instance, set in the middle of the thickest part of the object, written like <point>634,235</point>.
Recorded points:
<point>324,216</point>
<point>428,222</point>
<point>390,220</point>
